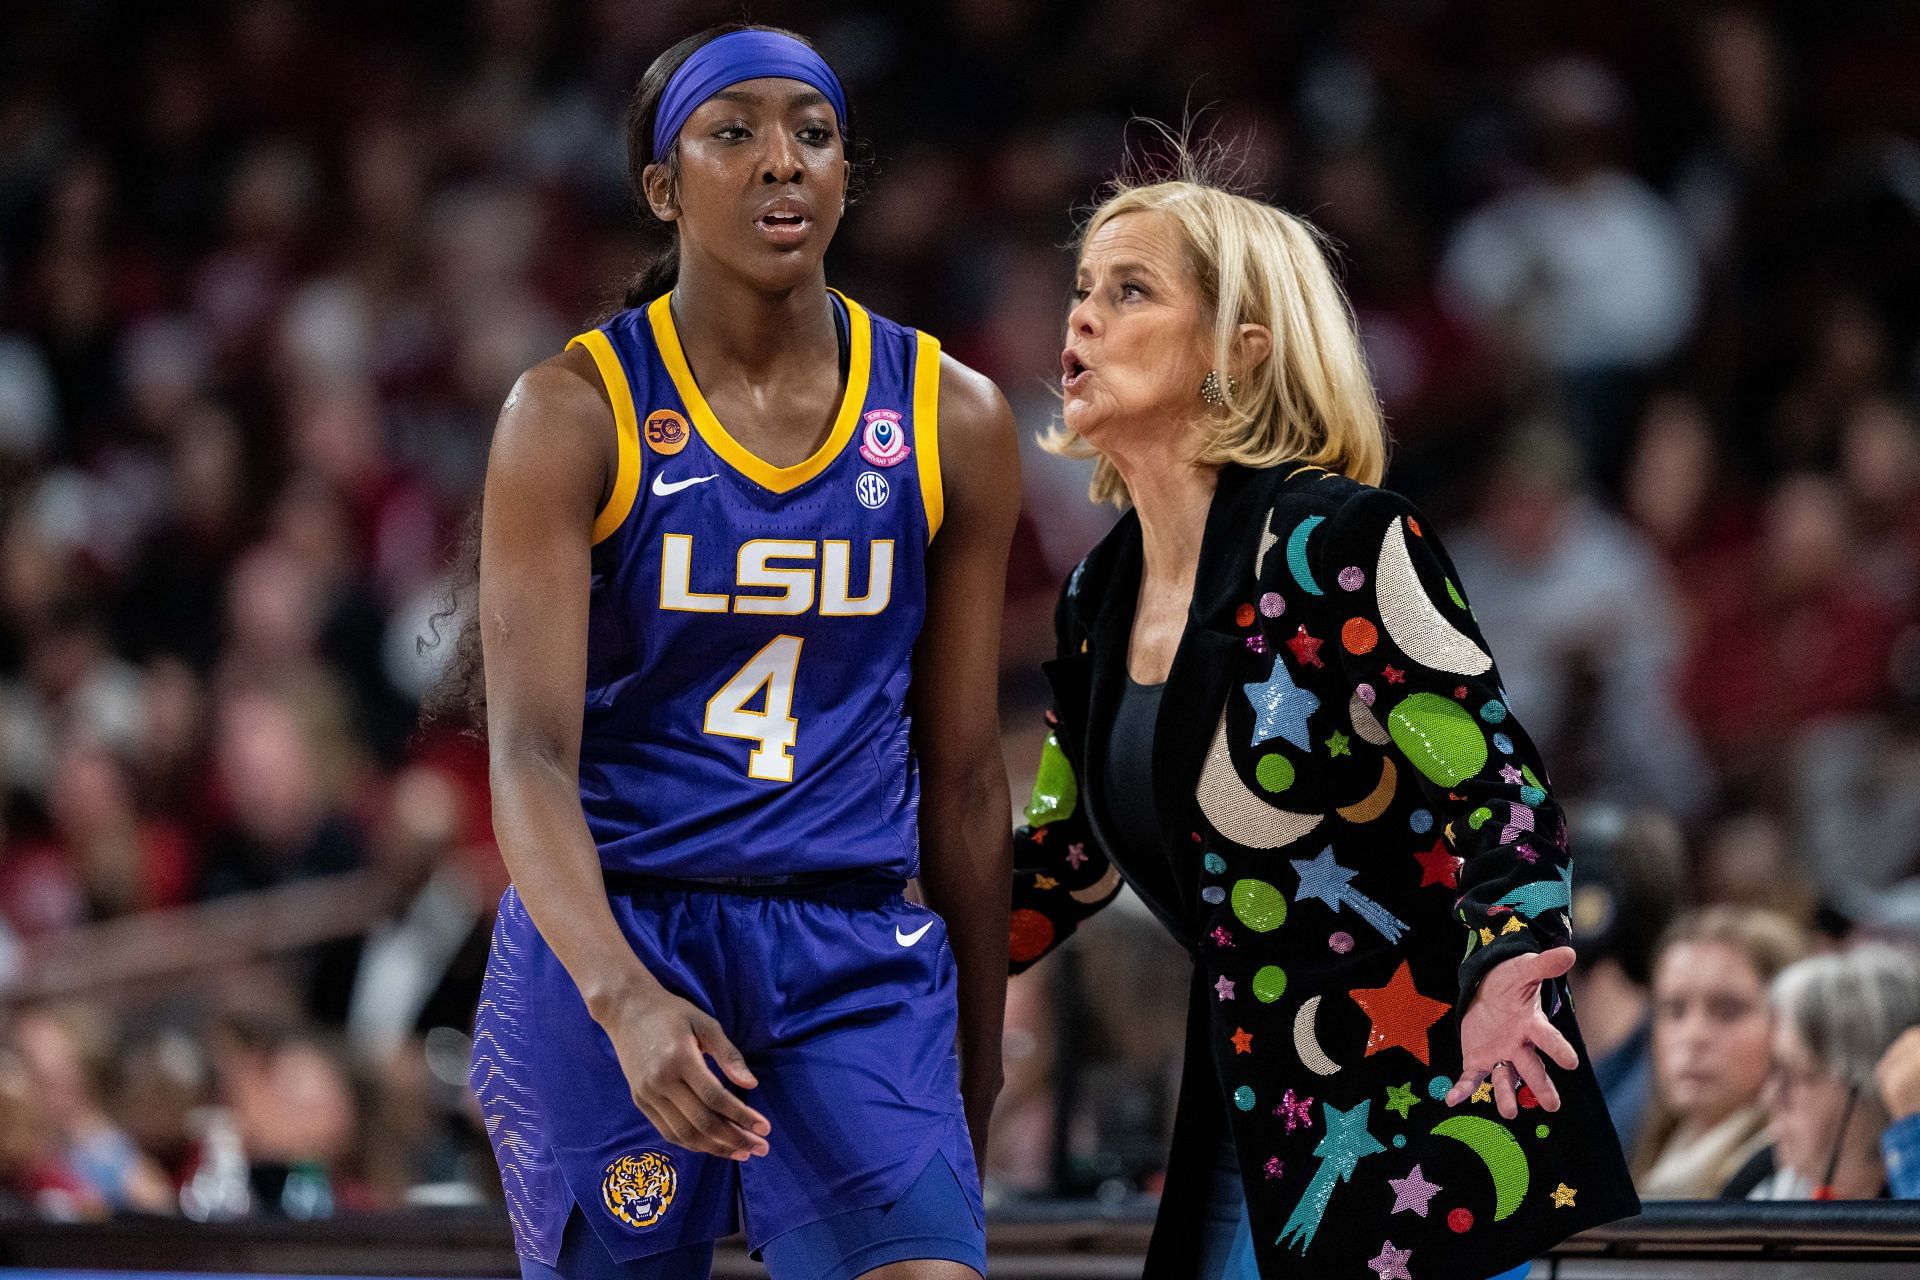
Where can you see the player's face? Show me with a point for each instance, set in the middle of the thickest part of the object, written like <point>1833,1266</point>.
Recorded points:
<point>1136,337</point>
<point>762,181</point>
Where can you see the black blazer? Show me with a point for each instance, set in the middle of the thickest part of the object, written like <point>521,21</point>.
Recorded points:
<point>1349,808</point>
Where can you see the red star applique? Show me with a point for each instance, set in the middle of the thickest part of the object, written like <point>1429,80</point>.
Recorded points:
<point>1400,1014</point>
<point>1242,1040</point>
<point>1437,866</point>
<point>1306,649</point>
<point>1395,675</point>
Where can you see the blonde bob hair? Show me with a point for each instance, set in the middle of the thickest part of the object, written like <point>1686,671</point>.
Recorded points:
<point>1312,400</point>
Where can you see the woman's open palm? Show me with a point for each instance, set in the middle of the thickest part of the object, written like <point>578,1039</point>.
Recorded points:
<point>1505,1027</point>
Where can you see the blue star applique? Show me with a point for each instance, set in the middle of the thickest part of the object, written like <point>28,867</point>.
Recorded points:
<point>1281,708</point>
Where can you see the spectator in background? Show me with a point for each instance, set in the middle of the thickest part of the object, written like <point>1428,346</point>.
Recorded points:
<point>283,763</point>
<point>1589,629</point>
<point>62,1055</point>
<point>1880,468</point>
<point>1631,876</point>
<point>1748,858</point>
<point>293,1107</point>
<point>1789,634</point>
<point>1681,494</point>
<point>160,1077</point>
<point>34,1181</point>
<point>1898,1078</point>
<point>1712,1031</point>
<point>124,860</point>
<point>1835,1017</point>
<point>1586,269</point>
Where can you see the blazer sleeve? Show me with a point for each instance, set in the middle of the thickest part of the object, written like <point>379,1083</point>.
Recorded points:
<point>1395,611</point>
<point>1060,874</point>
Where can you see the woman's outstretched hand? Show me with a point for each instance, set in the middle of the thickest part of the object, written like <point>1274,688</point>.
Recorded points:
<point>1505,1031</point>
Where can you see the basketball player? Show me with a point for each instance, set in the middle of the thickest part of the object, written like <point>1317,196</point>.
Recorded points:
<point>742,555</point>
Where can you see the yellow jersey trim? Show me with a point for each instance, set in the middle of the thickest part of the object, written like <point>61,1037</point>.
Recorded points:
<point>926,427</point>
<point>626,475</point>
<point>778,479</point>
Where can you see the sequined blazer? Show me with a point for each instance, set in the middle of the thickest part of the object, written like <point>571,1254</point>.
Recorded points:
<point>1357,828</point>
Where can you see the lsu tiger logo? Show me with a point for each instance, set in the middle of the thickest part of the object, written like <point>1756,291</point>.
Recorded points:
<point>639,1189</point>
<point>666,432</point>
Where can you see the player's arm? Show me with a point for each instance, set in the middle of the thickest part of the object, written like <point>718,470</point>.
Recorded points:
<point>548,471</point>
<point>966,857</point>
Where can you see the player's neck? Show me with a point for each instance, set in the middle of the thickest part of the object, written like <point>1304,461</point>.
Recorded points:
<point>721,317</point>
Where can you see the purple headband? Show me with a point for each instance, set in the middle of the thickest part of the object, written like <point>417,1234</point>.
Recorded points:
<point>737,56</point>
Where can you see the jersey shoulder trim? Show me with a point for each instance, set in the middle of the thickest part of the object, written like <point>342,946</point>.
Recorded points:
<point>926,427</point>
<point>738,456</point>
<point>626,476</point>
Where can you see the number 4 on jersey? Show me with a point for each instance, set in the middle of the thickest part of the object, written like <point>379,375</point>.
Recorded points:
<point>773,727</point>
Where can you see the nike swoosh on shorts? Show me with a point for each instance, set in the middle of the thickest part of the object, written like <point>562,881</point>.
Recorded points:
<point>908,939</point>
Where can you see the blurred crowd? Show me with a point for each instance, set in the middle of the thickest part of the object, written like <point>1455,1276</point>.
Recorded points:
<point>1640,286</point>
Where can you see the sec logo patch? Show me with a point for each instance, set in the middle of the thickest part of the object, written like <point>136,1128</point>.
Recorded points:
<point>666,432</point>
<point>872,489</point>
<point>638,1189</point>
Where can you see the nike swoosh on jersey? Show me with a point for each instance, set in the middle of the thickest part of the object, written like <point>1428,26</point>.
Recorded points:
<point>908,939</point>
<point>665,488</point>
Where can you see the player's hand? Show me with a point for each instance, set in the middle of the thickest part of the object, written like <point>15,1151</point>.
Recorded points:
<point>1505,1031</point>
<point>663,1043</point>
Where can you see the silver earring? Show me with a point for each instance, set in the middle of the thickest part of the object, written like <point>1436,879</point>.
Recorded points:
<point>1210,389</point>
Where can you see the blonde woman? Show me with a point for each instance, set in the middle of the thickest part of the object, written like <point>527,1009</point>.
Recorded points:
<point>1276,719</point>
<point>1712,1031</point>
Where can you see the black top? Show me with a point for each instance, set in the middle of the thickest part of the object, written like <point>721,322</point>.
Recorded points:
<point>1126,802</point>
<point>1334,729</point>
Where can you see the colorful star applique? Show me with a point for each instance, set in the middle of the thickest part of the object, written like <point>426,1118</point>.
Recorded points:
<point>1225,988</point>
<point>1296,1111</point>
<point>1325,880</point>
<point>1512,925</point>
<point>1392,1263</point>
<point>1401,1098</point>
<point>1344,1144</point>
<point>1509,775</point>
<point>1281,708</point>
<point>1413,1193</point>
<point>1306,648</point>
<point>1076,854</point>
<point>1400,1014</point>
<point>1221,938</point>
<point>1337,744</point>
<point>1438,866</point>
<point>1242,1040</point>
<point>1394,675</point>
<point>1275,1169</point>
<point>1045,882</point>
<point>1563,1196</point>
<point>1485,1092</point>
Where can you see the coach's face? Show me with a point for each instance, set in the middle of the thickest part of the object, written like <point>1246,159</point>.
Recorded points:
<point>1136,338</point>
